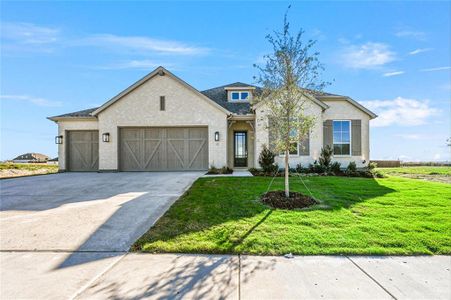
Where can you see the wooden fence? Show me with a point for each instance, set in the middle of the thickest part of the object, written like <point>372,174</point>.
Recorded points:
<point>387,163</point>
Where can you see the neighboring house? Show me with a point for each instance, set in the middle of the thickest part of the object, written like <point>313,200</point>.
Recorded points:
<point>31,158</point>
<point>53,161</point>
<point>161,123</point>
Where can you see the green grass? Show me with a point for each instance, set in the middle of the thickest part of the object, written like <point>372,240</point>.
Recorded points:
<point>426,170</point>
<point>356,216</point>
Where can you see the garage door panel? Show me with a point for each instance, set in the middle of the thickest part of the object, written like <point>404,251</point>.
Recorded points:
<point>154,154</point>
<point>83,150</point>
<point>165,149</point>
<point>197,157</point>
<point>175,157</point>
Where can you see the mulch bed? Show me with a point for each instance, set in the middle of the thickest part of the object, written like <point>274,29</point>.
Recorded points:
<point>277,199</point>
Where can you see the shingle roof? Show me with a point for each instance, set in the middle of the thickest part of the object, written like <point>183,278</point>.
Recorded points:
<point>80,113</point>
<point>219,95</point>
<point>32,156</point>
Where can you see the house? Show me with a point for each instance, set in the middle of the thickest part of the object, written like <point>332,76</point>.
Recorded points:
<point>161,123</point>
<point>31,158</point>
<point>53,161</point>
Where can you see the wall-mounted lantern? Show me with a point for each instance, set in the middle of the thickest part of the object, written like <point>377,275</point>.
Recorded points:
<point>217,136</point>
<point>58,139</point>
<point>106,137</point>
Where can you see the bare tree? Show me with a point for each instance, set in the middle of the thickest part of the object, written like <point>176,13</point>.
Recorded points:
<point>288,77</point>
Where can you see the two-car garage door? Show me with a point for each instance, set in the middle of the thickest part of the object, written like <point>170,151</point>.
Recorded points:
<point>163,149</point>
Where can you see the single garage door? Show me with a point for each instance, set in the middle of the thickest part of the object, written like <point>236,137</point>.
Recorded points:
<point>83,150</point>
<point>163,149</point>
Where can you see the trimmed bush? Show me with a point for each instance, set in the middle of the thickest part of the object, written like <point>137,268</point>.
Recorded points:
<point>325,157</point>
<point>335,167</point>
<point>266,160</point>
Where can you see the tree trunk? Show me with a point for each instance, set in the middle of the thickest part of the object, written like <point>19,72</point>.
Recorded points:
<point>287,175</point>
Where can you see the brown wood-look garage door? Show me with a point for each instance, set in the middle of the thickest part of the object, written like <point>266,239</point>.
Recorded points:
<point>83,150</point>
<point>163,149</point>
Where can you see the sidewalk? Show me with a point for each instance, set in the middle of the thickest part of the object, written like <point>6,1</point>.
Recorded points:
<point>156,276</point>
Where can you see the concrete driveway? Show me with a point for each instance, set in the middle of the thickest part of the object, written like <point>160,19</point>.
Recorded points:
<point>85,211</point>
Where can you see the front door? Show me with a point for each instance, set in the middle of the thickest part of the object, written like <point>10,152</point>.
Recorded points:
<point>240,149</point>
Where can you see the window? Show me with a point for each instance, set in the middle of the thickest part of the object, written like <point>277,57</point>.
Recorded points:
<point>244,95</point>
<point>342,137</point>
<point>162,103</point>
<point>235,95</point>
<point>239,96</point>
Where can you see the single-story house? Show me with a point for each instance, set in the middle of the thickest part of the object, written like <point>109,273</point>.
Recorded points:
<point>31,158</point>
<point>161,123</point>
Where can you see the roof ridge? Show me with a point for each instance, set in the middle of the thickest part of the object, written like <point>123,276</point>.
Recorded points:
<point>231,84</point>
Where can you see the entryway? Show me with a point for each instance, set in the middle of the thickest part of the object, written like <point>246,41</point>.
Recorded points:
<point>240,149</point>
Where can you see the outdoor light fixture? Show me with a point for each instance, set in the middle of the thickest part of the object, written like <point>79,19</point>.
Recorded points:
<point>217,136</point>
<point>58,139</point>
<point>106,137</point>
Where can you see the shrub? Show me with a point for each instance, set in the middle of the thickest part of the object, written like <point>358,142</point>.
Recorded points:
<point>266,160</point>
<point>253,171</point>
<point>317,168</point>
<point>300,169</point>
<point>213,170</point>
<point>326,156</point>
<point>335,167</point>
<point>226,170</point>
<point>372,166</point>
<point>351,170</point>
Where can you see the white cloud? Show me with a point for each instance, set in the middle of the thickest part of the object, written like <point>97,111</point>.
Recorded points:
<point>400,111</point>
<point>20,36</point>
<point>396,73</point>
<point>409,136</point>
<point>437,156</point>
<point>367,56</point>
<point>27,33</point>
<point>409,33</point>
<point>144,44</point>
<point>420,50</point>
<point>33,100</point>
<point>436,69</point>
<point>446,86</point>
<point>144,64</point>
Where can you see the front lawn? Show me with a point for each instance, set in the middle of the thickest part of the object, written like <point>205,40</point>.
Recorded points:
<point>356,216</point>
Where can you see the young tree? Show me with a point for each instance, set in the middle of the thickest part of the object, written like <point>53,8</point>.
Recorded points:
<point>288,77</point>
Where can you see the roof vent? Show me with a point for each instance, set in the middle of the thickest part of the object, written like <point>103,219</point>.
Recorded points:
<point>161,72</point>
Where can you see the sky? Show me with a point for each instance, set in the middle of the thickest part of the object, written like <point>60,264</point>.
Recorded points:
<point>393,57</point>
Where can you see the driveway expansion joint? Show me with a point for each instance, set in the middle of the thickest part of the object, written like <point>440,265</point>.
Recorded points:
<point>97,277</point>
<point>371,277</point>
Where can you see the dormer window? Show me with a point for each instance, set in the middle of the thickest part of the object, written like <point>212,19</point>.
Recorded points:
<point>239,96</point>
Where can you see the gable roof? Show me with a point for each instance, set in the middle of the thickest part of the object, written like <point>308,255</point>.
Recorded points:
<point>32,156</point>
<point>158,71</point>
<point>219,95</point>
<point>351,101</point>
<point>86,113</point>
<point>216,96</point>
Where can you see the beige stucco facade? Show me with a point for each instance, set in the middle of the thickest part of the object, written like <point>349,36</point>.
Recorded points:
<point>343,110</point>
<point>66,125</point>
<point>139,106</point>
<point>337,110</point>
